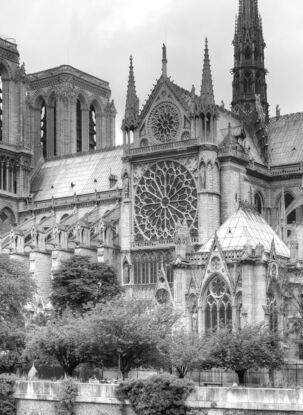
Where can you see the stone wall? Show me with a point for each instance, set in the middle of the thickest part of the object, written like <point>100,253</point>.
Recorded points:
<point>39,398</point>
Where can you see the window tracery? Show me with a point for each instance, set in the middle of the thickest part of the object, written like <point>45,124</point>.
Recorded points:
<point>164,122</point>
<point>147,264</point>
<point>166,194</point>
<point>218,309</point>
<point>92,128</point>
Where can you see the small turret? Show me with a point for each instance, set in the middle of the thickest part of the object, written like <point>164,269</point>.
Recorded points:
<point>132,105</point>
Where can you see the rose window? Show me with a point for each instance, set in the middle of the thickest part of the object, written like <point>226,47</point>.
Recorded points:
<point>164,122</point>
<point>166,194</point>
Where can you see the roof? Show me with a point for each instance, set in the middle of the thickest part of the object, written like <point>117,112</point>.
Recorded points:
<point>83,174</point>
<point>285,139</point>
<point>247,226</point>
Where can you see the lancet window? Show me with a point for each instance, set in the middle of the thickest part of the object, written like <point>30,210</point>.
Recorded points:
<point>92,128</point>
<point>247,82</point>
<point>43,129</point>
<point>258,203</point>
<point>146,266</point>
<point>79,126</point>
<point>218,309</point>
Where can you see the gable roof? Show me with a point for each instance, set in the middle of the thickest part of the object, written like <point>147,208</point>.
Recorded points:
<point>285,139</point>
<point>81,174</point>
<point>247,226</point>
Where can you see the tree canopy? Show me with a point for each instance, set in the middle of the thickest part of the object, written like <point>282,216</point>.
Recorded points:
<point>131,330</point>
<point>185,351</point>
<point>16,290</point>
<point>252,347</point>
<point>66,339</point>
<point>80,284</point>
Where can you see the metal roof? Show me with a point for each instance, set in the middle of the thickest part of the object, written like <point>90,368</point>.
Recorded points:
<point>83,174</point>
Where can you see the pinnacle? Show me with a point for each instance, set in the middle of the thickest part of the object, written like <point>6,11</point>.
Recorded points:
<point>132,101</point>
<point>207,91</point>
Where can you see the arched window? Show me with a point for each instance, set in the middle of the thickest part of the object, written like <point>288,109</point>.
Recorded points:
<point>208,120</point>
<point>126,272</point>
<point>258,203</point>
<point>288,199</point>
<point>247,53</point>
<point>43,129</point>
<point>1,107</point>
<point>92,128</point>
<point>193,312</point>
<point>258,83</point>
<point>79,126</point>
<point>153,269</point>
<point>273,313</point>
<point>7,220</point>
<point>247,82</point>
<point>137,274</point>
<point>218,310</point>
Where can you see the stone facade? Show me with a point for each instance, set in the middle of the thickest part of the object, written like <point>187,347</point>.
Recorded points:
<point>201,206</point>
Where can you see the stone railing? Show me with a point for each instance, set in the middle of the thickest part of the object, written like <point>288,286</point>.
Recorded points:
<point>161,147</point>
<point>223,399</point>
<point>75,200</point>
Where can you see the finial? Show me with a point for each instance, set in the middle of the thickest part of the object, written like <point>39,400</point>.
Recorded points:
<point>164,61</point>
<point>207,92</point>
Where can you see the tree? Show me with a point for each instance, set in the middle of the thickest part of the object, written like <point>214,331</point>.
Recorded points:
<point>66,339</point>
<point>184,351</point>
<point>131,330</point>
<point>158,394</point>
<point>16,290</point>
<point>80,284</point>
<point>252,347</point>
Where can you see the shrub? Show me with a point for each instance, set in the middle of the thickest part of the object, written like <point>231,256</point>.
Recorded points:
<point>7,400</point>
<point>67,397</point>
<point>156,395</point>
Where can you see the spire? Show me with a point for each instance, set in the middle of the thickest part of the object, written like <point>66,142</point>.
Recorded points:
<point>132,101</point>
<point>207,90</point>
<point>249,70</point>
<point>164,61</point>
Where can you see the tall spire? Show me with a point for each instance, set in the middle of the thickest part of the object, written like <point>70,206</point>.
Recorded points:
<point>249,70</point>
<point>207,91</point>
<point>164,61</point>
<point>132,101</point>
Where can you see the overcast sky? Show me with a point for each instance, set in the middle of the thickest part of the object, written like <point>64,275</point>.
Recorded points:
<point>97,36</point>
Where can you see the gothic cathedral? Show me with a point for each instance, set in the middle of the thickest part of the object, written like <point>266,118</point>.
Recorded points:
<point>201,207</point>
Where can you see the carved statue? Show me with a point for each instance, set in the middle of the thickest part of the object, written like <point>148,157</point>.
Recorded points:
<point>259,108</point>
<point>126,185</point>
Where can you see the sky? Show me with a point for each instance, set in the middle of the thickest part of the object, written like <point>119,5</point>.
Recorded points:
<point>97,36</point>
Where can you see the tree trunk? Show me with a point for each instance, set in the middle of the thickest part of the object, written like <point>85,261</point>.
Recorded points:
<point>181,372</point>
<point>241,374</point>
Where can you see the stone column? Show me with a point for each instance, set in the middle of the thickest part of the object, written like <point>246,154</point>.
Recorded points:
<point>99,139</point>
<point>50,130</point>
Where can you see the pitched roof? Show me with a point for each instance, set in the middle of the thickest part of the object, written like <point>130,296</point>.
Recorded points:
<point>247,226</point>
<point>285,139</point>
<point>82,174</point>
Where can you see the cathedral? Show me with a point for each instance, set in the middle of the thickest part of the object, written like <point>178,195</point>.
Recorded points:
<point>201,206</point>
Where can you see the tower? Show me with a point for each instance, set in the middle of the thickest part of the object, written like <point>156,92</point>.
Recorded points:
<point>209,174</point>
<point>249,72</point>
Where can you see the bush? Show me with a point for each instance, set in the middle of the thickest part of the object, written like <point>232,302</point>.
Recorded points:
<point>7,400</point>
<point>157,395</point>
<point>67,397</point>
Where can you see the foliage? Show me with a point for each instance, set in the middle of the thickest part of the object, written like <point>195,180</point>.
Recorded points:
<point>67,397</point>
<point>80,284</point>
<point>130,330</point>
<point>16,291</point>
<point>8,404</point>
<point>66,339</point>
<point>252,347</point>
<point>184,351</point>
<point>156,395</point>
<point>12,344</point>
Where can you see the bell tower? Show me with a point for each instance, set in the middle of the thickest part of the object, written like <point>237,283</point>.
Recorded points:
<point>249,73</point>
